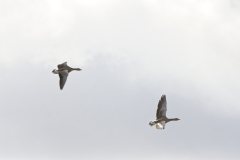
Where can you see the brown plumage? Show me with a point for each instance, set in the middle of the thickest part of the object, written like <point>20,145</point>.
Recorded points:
<point>63,71</point>
<point>161,118</point>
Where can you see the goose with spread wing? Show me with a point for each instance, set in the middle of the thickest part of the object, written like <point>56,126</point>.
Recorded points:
<point>63,71</point>
<point>161,119</point>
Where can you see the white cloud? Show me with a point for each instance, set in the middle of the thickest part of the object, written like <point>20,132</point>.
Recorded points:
<point>191,46</point>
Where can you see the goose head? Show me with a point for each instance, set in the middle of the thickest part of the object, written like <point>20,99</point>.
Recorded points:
<point>55,71</point>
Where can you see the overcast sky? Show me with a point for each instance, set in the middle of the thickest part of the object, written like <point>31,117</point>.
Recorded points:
<point>130,52</point>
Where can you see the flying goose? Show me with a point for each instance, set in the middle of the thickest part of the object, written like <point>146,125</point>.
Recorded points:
<point>161,119</point>
<point>63,70</point>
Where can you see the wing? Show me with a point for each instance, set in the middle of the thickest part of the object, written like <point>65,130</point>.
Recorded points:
<point>63,78</point>
<point>163,124</point>
<point>62,65</point>
<point>162,107</point>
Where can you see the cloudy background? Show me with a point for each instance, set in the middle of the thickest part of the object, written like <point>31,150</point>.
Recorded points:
<point>130,52</point>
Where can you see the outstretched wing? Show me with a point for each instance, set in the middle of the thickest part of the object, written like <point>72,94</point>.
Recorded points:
<point>162,107</point>
<point>62,65</point>
<point>63,78</point>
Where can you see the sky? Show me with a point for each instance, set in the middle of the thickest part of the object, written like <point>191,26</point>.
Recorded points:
<point>130,52</point>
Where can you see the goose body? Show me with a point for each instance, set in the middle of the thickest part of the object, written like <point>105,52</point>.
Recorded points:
<point>161,118</point>
<point>63,71</point>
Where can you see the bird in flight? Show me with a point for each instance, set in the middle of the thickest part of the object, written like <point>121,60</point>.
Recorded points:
<point>63,71</point>
<point>161,119</point>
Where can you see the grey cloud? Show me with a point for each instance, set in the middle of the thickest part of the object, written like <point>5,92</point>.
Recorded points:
<point>101,114</point>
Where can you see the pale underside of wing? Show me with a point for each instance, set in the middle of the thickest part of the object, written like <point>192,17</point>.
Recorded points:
<point>63,78</point>
<point>162,108</point>
<point>163,124</point>
<point>160,125</point>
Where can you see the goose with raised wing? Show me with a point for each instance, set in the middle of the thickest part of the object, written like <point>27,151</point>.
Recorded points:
<point>161,119</point>
<point>63,71</point>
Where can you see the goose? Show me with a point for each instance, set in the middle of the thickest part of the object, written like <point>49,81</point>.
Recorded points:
<point>161,119</point>
<point>63,71</point>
